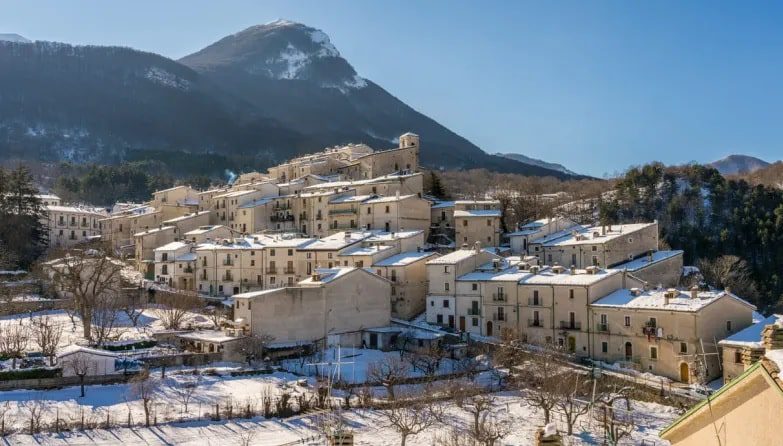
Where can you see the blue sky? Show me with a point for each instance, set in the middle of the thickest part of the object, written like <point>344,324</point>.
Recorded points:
<point>597,86</point>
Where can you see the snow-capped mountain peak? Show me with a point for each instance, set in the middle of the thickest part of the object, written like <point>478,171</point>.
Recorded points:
<point>10,37</point>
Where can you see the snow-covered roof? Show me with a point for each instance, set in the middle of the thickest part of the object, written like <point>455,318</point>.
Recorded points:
<point>209,336</point>
<point>154,230</point>
<point>349,199</point>
<point>388,199</point>
<point>237,243</point>
<point>512,274</point>
<point>204,229</point>
<point>597,234</point>
<point>474,202</point>
<point>172,246</point>
<point>185,217</point>
<point>382,236</point>
<point>365,250</point>
<point>338,240</point>
<point>523,232</point>
<point>443,204</point>
<point>71,349</point>
<point>751,336</point>
<point>294,242</point>
<point>404,259</point>
<point>656,300</point>
<point>75,210</point>
<point>644,261</point>
<point>477,213</point>
<point>327,275</point>
<point>258,202</point>
<point>253,294</point>
<point>453,257</point>
<point>775,356</point>
<point>236,193</point>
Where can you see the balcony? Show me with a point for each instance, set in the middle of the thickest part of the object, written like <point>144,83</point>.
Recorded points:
<point>188,270</point>
<point>318,216</point>
<point>499,297</point>
<point>499,317</point>
<point>228,262</point>
<point>474,312</point>
<point>602,328</point>
<point>271,270</point>
<point>228,278</point>
<point>343,211</point>
<point>532,302</point>
<point>282,207</point>
<point>289,270</point>
<point>535,323</point>
<point>281,218</point>
<point>569,325</point>
<point>303,216</point>
<point>345,226</point>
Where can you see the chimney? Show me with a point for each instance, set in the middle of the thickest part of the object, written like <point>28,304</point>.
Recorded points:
<point>534,269</point>
<point>397,194</point>
<point>727,290</point>
<point>694,292</point>
<point>347,235</point>
<point>636,292</point>
<point>496,264</point>
<point>650,256</point>
<point>772,337</point>
<point>666,297</point>
<point>603,229</point>
<point>573,269</point>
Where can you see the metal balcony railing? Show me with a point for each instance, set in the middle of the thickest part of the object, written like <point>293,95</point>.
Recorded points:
<point>535,323</point>
<point>271,270</point>
<point>534,302</point>
<point>568,325</point>
<point>499,317</point>
<point>289,271</point>
<point>499,297</point>
<point>474,312</point>
<point>343,211</point>
<point>602,328</point>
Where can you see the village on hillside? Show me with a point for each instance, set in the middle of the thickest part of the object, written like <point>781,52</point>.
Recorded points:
<point>331,301</point>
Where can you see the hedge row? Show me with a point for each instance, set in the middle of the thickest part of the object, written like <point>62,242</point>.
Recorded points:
<point>11,375</point>
<point>135,346</point>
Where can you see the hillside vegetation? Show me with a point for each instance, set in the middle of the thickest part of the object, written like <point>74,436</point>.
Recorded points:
<point>710,217</point>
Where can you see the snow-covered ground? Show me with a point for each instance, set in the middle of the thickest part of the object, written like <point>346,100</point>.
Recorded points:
<point>355,363</point>
<point>148,323</point>
<point>369,427</point>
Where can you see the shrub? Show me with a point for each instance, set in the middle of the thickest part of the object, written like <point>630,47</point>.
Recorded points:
<point>11,375</point>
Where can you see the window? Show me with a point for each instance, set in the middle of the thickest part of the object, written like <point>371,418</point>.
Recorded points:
<point>489,222</point>
<point>653,322</point>
<point>252,253</point>
<point>369,211</point>
<point>683,347</point>
<point>252,263</point>
<point>432,303</point>
<point>653,353</point>
<point>291,252</point>
<point>737,357</point>
<point>387,209</point>
<point>603,319</point>
<point>329,255</point>
<point>439,318</point>
<point>728,326</point>
<point>474,321</point>
<point>604,347</point>
<point>475,286</point>
<point>272,252</point>
<point>446,286</point>
<point>445,303</point>
<point>628,321</point>
<point>571,293</point>
<point>464,222</point>
<point>630,239</point>
<point>446,269</point>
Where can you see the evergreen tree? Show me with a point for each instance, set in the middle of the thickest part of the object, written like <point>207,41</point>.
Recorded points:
<point>23,220</point>
<point>435,186</point>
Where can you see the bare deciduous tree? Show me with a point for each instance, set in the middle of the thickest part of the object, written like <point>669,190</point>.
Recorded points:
<point>144,387</point>
<point>133,303</point>
<point>411,418</point>
<point>6,422</point>
<point>47,335</point>
<point>80,365</point>
<point>541,381</point>
<point>568,402</point>
<point>173,307</point>
<point>388,372</point>
<point>35,411</point>
<point>253,347</point>
<point>14,339</point>
<point>89,278</point>
<point>105,316</point>
<point>185,388</point>
<point>617,424</point>
<point>730,272</point>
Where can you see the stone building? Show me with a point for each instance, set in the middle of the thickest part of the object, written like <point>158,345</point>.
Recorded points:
<point>70,225</point>
<point>604,246</point>
<point>331,302</point>
<point>667,331</point>
<point>477,221</point>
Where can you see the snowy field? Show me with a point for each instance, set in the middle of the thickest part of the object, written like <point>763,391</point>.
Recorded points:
<point>117,401</point>
<point>148,323</point>
<point>370,428</point>
<point>355,362</point>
